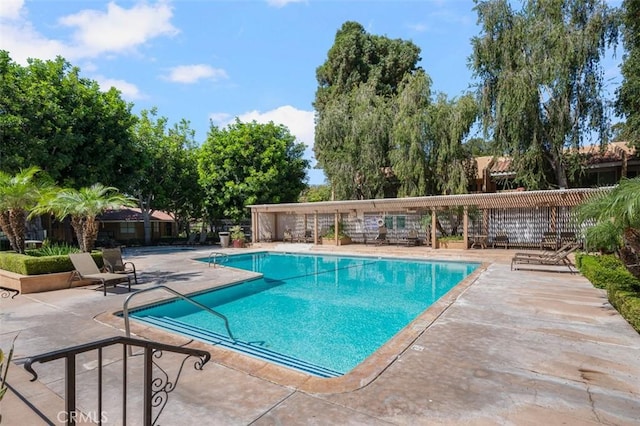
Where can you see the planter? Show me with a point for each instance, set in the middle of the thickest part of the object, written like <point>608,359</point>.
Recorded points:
<point>451,244</point>
<point>238,243</point>
<point>332,242</point>
<point>38,283</point>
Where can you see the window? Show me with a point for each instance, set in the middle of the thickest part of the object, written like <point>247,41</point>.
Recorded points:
<point>127,228</point>
<point>388,222</point>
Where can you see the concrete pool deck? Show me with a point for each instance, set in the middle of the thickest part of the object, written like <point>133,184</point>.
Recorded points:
<point>509,347</point>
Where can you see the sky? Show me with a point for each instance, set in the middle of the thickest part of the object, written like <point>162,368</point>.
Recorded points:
<point>212,61</point>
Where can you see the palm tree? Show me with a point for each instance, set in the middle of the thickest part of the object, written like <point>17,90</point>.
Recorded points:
<point>83,206</point>
<point>616,215</point>
<point>18,195</point>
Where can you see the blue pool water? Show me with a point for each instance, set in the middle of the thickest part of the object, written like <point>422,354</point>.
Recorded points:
<point>321,314</point>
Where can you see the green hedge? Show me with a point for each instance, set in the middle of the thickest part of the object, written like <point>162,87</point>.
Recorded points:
<point>623,289</point>
<point>29,265</point>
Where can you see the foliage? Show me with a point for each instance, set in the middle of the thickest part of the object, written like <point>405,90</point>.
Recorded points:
<point>378,133</point>
<point>354,99</point>
<point>623,289</point>
<point>53,250</point>
<point>616,212</point>
<point>541,82</point>
<point>236,233</point>
<point>628,103</point>
<point>64,124</point>
<point>331,232</point>
<point>249,163</point>
<point>83,206</point>
<point>451,238</point>
<point>315,193</point>
<point>19,194</point>
<point>30,265</point>
<point>167,176</point>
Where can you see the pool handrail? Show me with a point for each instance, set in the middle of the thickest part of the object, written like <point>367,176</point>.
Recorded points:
<point>125,308</point>
<point>216,255</point>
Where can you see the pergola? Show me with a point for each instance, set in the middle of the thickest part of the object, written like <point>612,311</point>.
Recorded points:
<point>266,215</point>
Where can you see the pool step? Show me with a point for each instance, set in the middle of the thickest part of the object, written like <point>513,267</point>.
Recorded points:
<point>214,338</point>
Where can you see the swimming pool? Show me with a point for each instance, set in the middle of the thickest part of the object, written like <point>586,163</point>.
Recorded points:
<point>320,314</point>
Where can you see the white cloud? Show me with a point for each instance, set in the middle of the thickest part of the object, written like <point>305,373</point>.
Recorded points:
<point>118,29</point>
<point>419,28</point>
<point>96,32</point>
<point>282,3</point>
<point>11,9</point>
<point>22,41</point>
<point>299,122</point>
<point>129,90</point>
<point>192,73</point>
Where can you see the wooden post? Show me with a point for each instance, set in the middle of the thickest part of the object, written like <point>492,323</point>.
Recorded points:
<point>465,227</point>
<point>336,222</point>
<point>434,239</point>
<point>315,228</point>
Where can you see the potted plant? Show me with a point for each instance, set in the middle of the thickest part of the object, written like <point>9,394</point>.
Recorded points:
<point>451,242</point>
<point>330,235</point>
<point>237,236</point>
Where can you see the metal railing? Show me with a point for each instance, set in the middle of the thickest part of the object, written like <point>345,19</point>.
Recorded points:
<point>156,390</point>
<point>216,258</point>
<point>125,308</point>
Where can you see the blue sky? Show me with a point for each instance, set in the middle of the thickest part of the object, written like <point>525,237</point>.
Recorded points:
<point>211,61</point>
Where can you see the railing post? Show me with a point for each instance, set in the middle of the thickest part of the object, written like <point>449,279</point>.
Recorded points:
<point>70,388</point>
<point>148,379</point>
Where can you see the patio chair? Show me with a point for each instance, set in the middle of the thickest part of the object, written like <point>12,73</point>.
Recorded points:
<point>114,263</point>
<point>568,237</point>
<point>308,236</point>
<point>501,240</point>
<point>559,257</point>
<point>267,237</point>
<point>412,238</point>
<point>549,241</point>
<point>86,269</point>
<point>288,236</point>
<point>381,238</point>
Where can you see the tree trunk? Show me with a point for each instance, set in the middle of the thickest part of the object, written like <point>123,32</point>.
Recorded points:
<point>146,210</point>
<point>76,224</point>
<point>17,220</point>
<point>5,225</point>
<point>90,233</point>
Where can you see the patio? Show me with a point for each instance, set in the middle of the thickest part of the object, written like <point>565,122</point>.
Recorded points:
<point>511,347</point>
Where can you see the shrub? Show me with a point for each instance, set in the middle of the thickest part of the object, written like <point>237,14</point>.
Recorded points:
<point>30,265</point>
<point>623,289</point>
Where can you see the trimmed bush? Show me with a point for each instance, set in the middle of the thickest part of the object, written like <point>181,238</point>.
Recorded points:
<point>30,265</point>
<point>623,289</point>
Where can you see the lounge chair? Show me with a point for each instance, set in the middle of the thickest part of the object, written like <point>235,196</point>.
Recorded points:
<point>568,237</point>
<point>86,269</point>
<point>114,263</point>
<point>192,239</point>
<point>559,257</point>
<point>308,236</point>
<point>381,238</point>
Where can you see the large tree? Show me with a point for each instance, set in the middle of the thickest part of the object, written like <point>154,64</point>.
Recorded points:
<point>357,85</point>
<point>629,91</point>
<point>166,177</point>
<point>250,163</point>
<point>541,81</point>
<point>55,119</point>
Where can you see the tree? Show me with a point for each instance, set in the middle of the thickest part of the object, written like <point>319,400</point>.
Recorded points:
<point>54,119</point>
<point>82,206</point>
<point>19,194</point>
<point>249,163</point>
<point>357,85</point>
<point>315,193</point>
<point>166,177</point>
<point>629,91</point>
<point>616,215</point>
<point>541,82</point>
